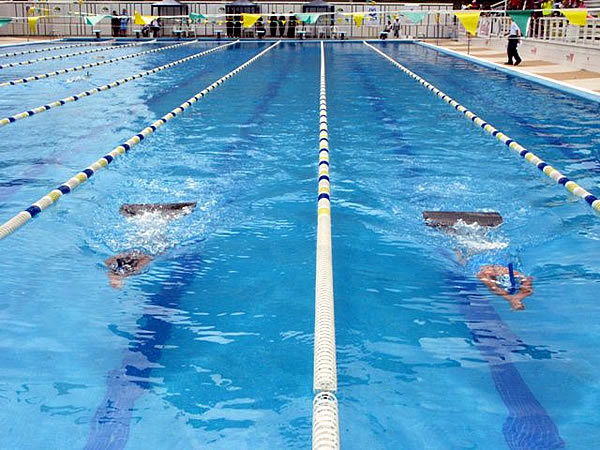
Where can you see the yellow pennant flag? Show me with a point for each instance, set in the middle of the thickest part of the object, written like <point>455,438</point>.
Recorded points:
<point>32,21</point>
<point>469,20</point>
<point>250,19</point>
<point>138,19</point>
<point>358,19</point>
<point>576,16</point>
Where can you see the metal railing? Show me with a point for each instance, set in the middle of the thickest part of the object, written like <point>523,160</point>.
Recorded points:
<point>65,18</point>
<point>552,29</point>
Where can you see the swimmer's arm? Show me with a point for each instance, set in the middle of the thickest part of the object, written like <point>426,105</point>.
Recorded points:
<point>488,276</point>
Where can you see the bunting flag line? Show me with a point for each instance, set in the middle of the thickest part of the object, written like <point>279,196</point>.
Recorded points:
<point>5,21</point>
<point>32,21</point>
<point>469,20</point>
<point>250,19</point>
<point>93,20</point>
<point>414,17</point>
<point>576,16</point>
<point>521,18</point>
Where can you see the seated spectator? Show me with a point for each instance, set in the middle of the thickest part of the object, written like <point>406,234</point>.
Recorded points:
<point>155,27</point>
<point>386,31</point>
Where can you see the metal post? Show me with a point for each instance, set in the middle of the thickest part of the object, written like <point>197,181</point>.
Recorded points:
<point>468,42</point>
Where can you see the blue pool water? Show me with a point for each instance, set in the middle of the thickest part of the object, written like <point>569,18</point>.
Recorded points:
<point>212,346</point>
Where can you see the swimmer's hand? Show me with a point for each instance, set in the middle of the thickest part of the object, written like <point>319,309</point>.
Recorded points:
<point>489,275</point>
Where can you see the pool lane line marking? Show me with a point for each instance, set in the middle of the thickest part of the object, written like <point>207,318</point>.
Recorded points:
<point>47,49</point>
<point>87,66</point>
<point>68,55</point>
<point>325,425</point>
<point>53,196</point>
<point>530,157</point>
<point>22,115</point>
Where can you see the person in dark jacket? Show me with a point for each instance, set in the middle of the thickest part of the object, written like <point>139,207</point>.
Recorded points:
<point>115,24</point>
<point>281,26</point>
<point>273,25</point>
<point>237,27</point>
<point>229,26</point>
<point>292,26</point>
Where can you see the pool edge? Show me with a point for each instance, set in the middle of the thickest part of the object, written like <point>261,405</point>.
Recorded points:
<point>558,85</point>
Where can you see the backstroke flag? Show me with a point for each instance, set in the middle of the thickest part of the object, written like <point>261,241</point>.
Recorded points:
<point>5,21</point>
<point>358,18</point>
<point>250,19</point>
<point>308,18</point>
<point>195,17</point>
<point>414,17</point>
<point>32,21</point>
<point>93,20</point>
<point>138,19</point>
<point>521,18</point>
<point>469,20</point>
<point>576,16</point>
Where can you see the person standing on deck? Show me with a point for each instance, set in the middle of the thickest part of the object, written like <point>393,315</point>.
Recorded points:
<point>281,26</point>
<point>124,23</point>
<point>115,24</point>
<point>273,25</point>
<point>396,27</point>
<point>513,42</point>
<point>292,26</point>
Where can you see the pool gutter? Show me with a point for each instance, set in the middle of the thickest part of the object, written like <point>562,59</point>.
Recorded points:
<point>548,82</point>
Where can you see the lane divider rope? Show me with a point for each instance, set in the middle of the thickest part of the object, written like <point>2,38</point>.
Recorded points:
<point>22,115</point>
<point>548,170</point>
<point>325,428</point>
<point>87,66</point>
<point>53,196</point>
<point>67,55</point>
<point>46,49</point>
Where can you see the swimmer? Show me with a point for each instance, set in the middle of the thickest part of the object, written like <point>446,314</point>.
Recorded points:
<point>133,262</point>
<point>495,278</point>
<point>125,265</point>
<point>87,76</point>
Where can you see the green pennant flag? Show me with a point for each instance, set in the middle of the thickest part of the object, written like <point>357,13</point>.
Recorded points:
<point>414,17</point>
<point>195,17</point>
<point>521,18</point>
<point>5,21</point>
<point>93,20</point>
<point>308,18</point>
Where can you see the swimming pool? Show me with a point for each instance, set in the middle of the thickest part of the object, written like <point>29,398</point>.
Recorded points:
<point>213,345</point>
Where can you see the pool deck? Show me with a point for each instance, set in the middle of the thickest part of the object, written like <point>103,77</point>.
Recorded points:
<point>559,72</point>
<point>11,40</point>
